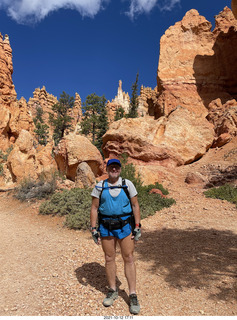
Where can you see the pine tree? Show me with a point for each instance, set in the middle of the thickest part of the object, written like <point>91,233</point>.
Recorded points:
<point>103,125</point>
<point>91,108</point>
<point>119,114</point>
<point>60,119</point>
<point>134,101</point>
<point>41,130</point>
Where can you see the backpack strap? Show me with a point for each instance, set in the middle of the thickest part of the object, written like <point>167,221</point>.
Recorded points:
<point>103,183</point>
<point>132,219</point>
<point>125,188</point>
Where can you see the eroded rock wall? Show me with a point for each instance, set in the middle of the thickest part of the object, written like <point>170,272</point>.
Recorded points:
<point>197,65</point>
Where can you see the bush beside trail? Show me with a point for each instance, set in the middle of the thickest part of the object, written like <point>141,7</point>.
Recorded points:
<point>75,204</point>
<point>30,189</point>
<point>225,192</point>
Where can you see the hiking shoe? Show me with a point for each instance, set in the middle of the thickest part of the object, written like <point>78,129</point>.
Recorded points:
<point>111,296</point>
<point>134,306</point>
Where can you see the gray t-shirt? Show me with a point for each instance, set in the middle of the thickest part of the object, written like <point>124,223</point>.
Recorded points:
<point>115,192</point>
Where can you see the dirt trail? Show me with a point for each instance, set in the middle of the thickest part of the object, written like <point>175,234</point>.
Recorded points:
<point>186,262</point>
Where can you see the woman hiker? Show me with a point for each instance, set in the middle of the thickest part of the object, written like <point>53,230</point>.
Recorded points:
<point>115,206</point>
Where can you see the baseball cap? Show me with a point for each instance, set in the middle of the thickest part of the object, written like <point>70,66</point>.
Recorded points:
<point>113,161</point>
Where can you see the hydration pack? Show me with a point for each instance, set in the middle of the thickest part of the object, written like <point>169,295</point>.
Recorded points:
<point>115,222</point>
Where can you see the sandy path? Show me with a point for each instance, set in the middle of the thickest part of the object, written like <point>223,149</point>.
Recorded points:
<point>186,262</point>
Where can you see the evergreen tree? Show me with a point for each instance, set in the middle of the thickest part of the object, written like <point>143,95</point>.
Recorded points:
<point>91,110</point>
<point>103,125</point>
<point>134,101</point>
<point>60,119</point>
<point>41,130</point>
<point>119,114</point>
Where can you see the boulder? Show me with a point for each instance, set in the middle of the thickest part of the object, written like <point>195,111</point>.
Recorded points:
<point>174,140</point>
<point>224,119</point>
<point>221,140</point>
<point>74,149</point>
<point>25,162</point>
<point>157,191</point>
<point>85,178</point>
<point>21,118</point>
<point>46,164</point>
<point>195,178</point>
<point>21,161</point>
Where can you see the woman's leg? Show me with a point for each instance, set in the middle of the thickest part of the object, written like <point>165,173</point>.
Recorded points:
<point>109,248</point>
<point>127,249</point>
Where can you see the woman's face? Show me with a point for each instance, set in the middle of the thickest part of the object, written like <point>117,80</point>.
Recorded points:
<point>114,171</point>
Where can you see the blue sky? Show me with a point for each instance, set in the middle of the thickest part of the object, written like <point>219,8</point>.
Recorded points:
<point>87,46</point>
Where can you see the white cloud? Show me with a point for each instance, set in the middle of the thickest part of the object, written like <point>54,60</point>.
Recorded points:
<point>32,11</point>
<point>145,6</point>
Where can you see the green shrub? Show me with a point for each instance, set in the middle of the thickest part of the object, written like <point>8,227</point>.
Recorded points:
<point>30,189</point>
<point>225,192</point>
<point>5,155</point>
<point>128,172</point>
<point>1,169</point>
<point>151,203</point>
<point>74,203</point>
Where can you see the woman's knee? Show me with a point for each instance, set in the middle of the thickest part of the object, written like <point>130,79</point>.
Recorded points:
<point>128,257</point>
<point>109,257</point>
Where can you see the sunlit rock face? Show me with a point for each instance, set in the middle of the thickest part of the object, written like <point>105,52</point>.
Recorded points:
<point>7,89</point>
<point>174,140</point>
<point>74,149</point>
<point>25,161</point>
<point>197,65</point>
<point>234,8</point>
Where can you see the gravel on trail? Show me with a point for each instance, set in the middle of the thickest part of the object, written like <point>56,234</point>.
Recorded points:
<point>186,262</point>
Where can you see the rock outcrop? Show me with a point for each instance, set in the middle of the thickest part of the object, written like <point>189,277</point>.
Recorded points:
<point>21,118</point>
<point>121,100</point>
<point>43,99</point>
<point>14,115</point>
<point>234,8</point>
<point>85,178</point>
<point>25,162</point>
<point>197,65</point>
<point>146,101</point>
<point>74,149</point>
<point>224,119</point>
<point>7,89</point>
<point>174,140</point>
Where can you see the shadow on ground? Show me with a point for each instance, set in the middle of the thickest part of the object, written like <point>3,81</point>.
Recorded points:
<point>193,258</point>
<point>94,274</point>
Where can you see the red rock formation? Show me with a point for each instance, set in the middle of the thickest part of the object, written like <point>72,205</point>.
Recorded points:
<point>7,89</point>
<point>21,118</point>
<point>25,162</point>
<point>14,115</point>
<point>178,139</point>
<point>74,149</point>
<point>147,101</point>
<point>234,8</point>
<point>224,119</point>
<point>41,98</point>
<point>197,65</point>
<point>121,100</point>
